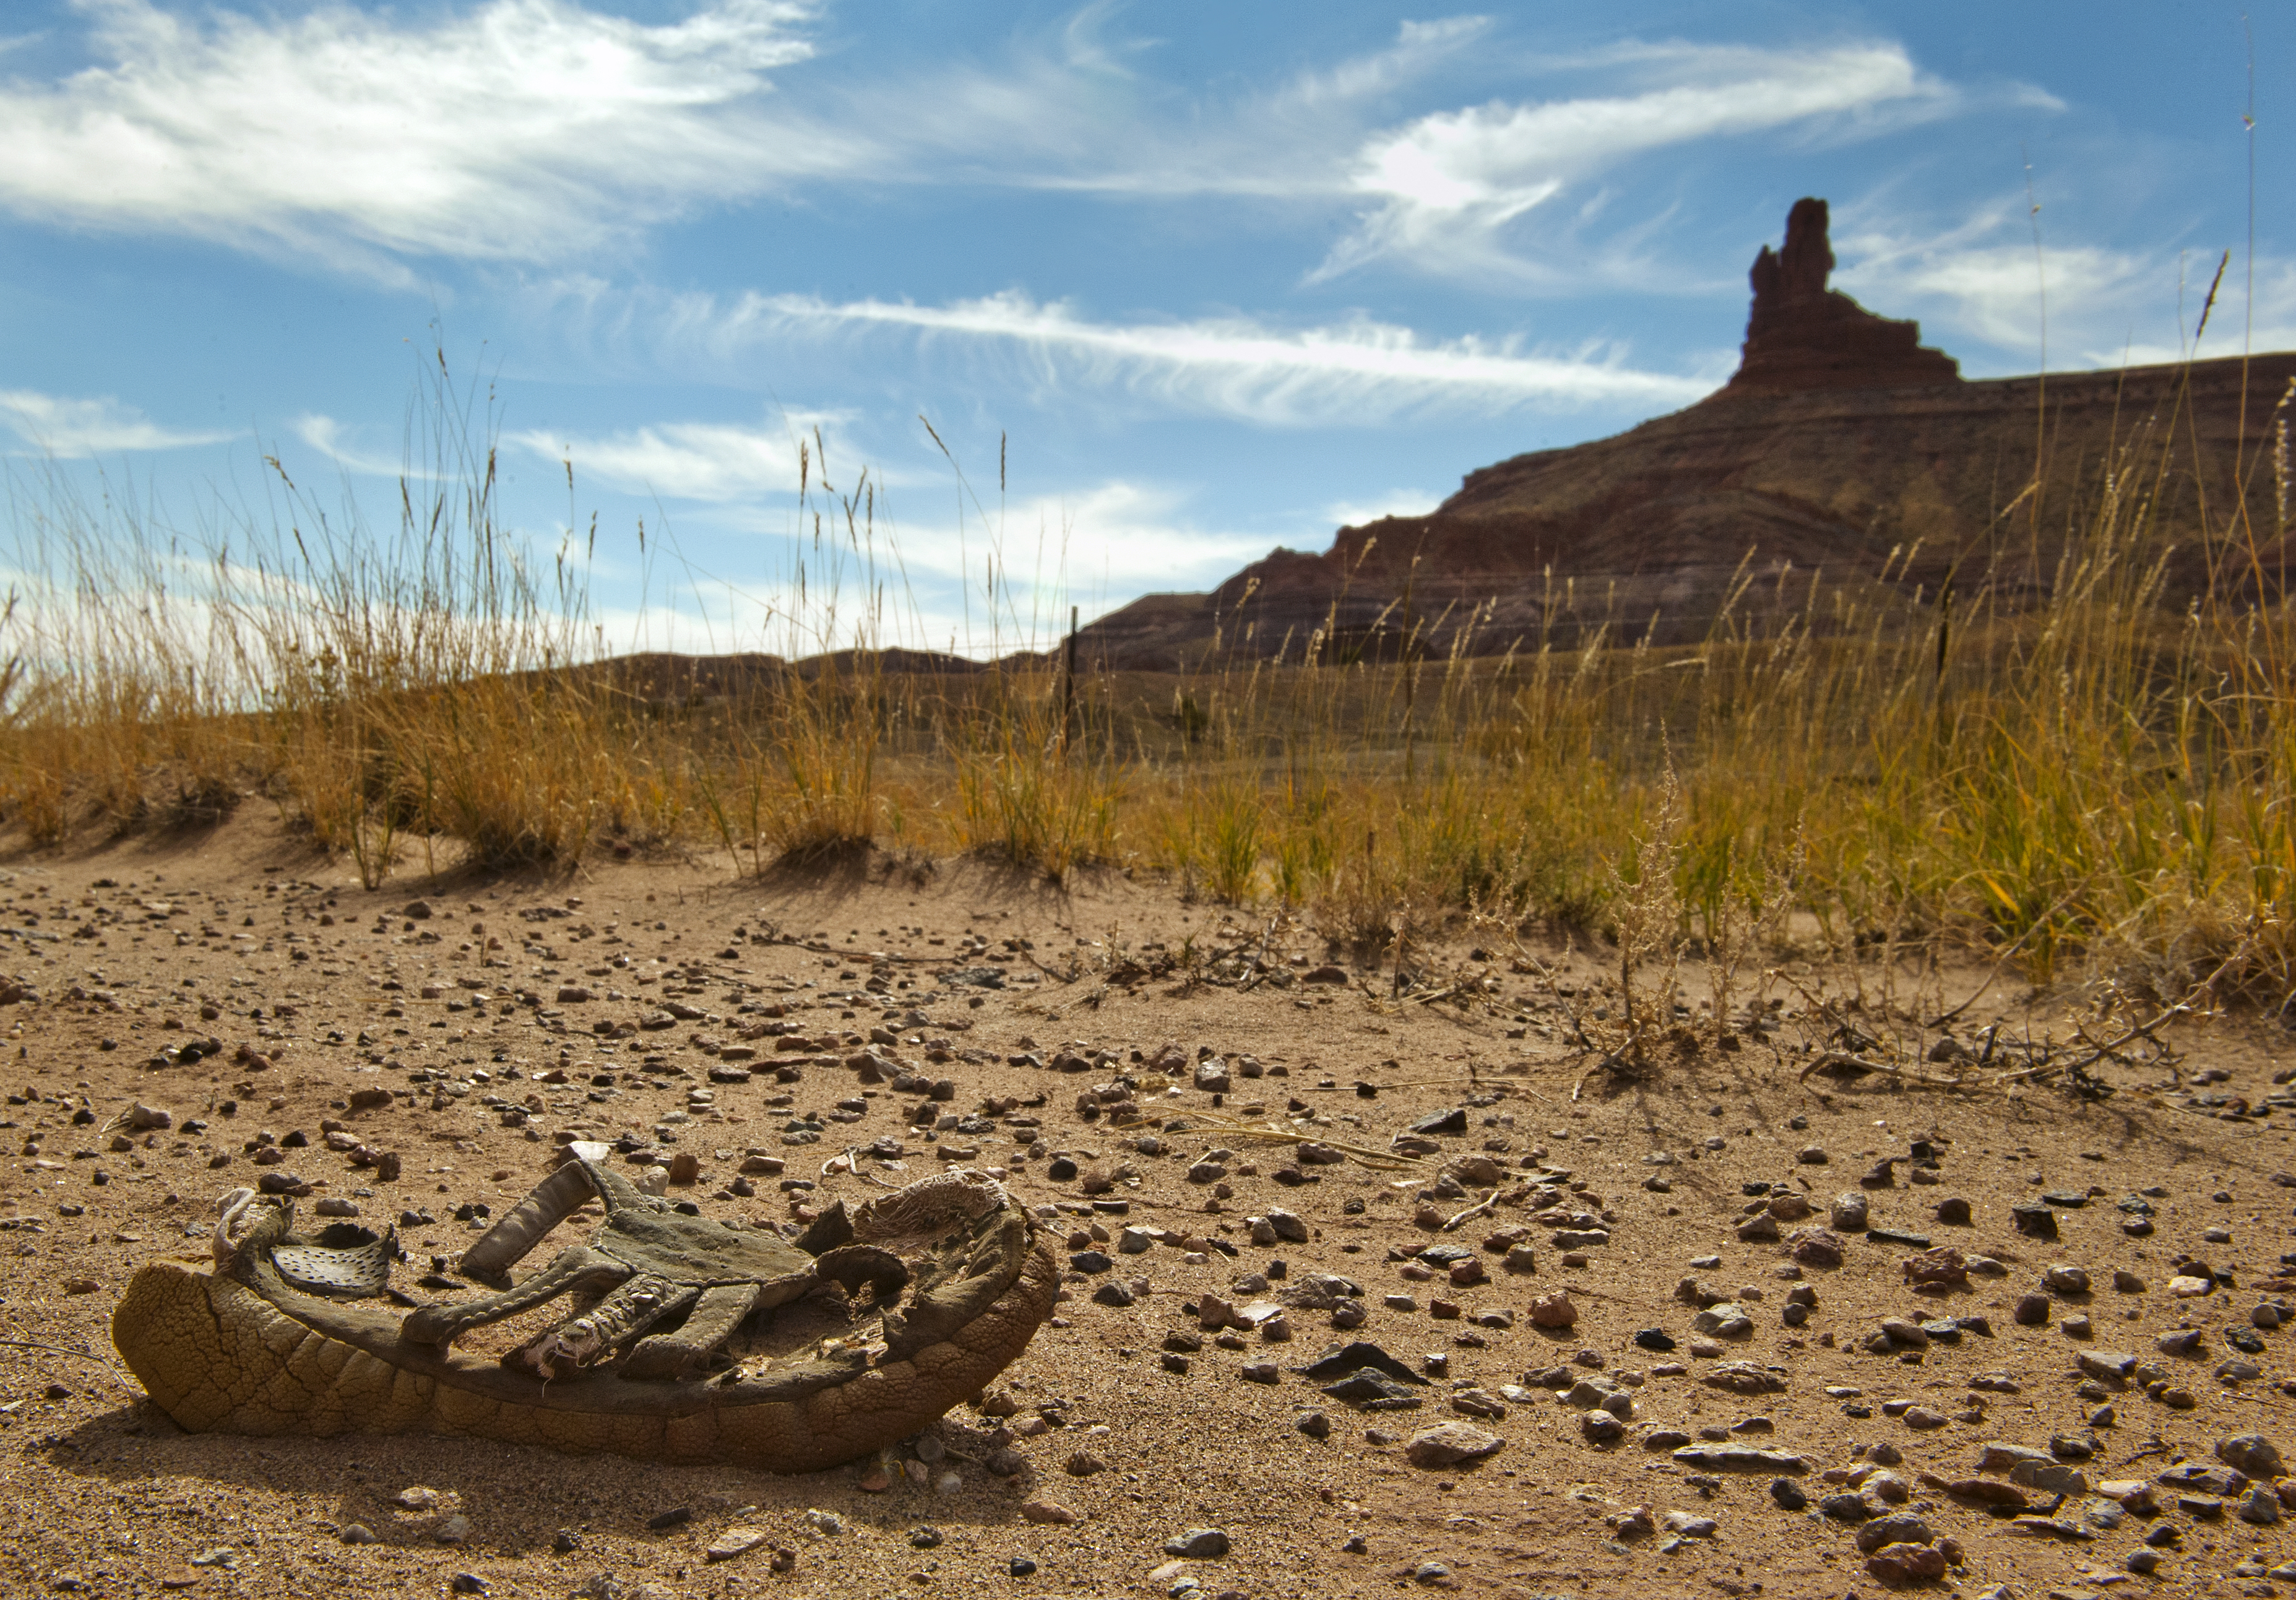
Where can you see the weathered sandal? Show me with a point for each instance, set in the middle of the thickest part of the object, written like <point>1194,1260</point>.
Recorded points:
<point>948,1280</point>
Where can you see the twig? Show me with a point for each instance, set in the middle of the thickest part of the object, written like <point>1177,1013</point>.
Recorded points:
<point>1634,1042</point>
<point>1832,1059</point>
<point>1481,1209</point>
<point>2143,1031</point>
<point>1269,1134</point>
<point>58,1349</point>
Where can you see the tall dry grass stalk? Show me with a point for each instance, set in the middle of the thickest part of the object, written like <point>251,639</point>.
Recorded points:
<point>2104,774</point>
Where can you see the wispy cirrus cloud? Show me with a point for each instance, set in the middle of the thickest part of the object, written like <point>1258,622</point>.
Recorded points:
<point>712,462</point>
<point>1445,187</point>
<point>517,131</point>
<point>70,429</point>
<point>1984,278</point>
<point>1359,371</point>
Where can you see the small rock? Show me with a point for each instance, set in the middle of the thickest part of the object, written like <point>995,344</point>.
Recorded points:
<point>1197,1544</point>
<point>1553,1310</point>
<point>1902,1528</point>
<point>2065,1279</point>
<point>1850,1212</point>
<point>2251,1453</point>
<point>356,1533</point>
<point>1817,1247</point>
<point>1788,1494</point>
<point>2032,1310</point>
<point>1449,1444</point>
<point>1683,1524</point>
<point>1314,1424</point>
<point>454,1530</point>
<point>734,1542</point>
<point>1905,1563</point>
<point>1044,1510</point>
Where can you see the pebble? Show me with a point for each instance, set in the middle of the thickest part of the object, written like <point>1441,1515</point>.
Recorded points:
<point>1905,1563</point>
<point>2065,1279</point>
<point>1553,1310</point>
<point>1197,1544</point>
<point>1849,1212</point>
<point>1449,1444</point>
<point>1049,1511</point>
<point>357,1533</point>
<point>1900,1527</point>
<point>2032,1310</point>
<point>2253,1454</point>
<point>1314,1424</point>
<point>736,1542</point>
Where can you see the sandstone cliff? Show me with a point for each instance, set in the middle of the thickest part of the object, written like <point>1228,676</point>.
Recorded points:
<point>1841,440</point>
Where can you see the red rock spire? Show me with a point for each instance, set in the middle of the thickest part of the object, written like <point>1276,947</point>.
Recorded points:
<point>1802,336</point>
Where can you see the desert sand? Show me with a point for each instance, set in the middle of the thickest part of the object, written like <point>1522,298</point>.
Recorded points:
<point>248,987</point>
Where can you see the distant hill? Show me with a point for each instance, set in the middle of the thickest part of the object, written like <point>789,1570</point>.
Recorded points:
<point>1841,440</point>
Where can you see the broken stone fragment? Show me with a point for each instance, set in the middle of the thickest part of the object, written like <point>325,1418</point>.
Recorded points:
<point>1906,1563</point>
<point>1553,1310</point>
<point>1449,1444</point>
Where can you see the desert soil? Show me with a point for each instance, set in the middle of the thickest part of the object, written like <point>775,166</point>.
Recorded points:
<point>1134,1418</point>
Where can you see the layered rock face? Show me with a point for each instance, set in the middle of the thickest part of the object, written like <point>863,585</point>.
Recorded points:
<point>1842,446</point>
<point>1803,336</point>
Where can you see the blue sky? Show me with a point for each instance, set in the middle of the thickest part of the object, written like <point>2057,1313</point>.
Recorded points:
<point>1219,277</point>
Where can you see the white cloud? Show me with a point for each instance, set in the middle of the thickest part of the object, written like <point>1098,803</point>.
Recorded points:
<point>2105,307</point>
<point>516,131</point>
<point>1358,371</point>
<point>70,429</point>
<point>1447,186</point>
<point>324,434</point>
<point>714,462</point>
<point>1395,503</point>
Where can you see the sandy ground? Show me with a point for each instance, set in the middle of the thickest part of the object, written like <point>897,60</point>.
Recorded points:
<point>244,937</point>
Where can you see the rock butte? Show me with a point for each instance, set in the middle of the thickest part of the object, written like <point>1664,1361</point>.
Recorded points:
<point>1841,440</point>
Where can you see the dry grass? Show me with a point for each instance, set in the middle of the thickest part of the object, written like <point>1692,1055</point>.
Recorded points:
<point>2108,777</point>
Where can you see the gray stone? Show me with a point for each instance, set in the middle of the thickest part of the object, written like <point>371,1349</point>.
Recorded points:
<point>2051,1477</point>
<point>1449,1444</point>
<point>1900,1527</point>
<point>2251,1453</point>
